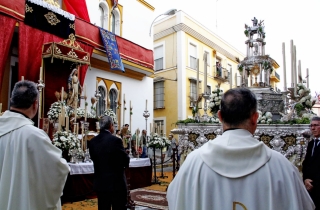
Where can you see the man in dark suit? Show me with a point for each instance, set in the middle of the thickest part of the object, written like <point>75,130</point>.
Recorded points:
<point>109,162</point>
<point>311,164</point>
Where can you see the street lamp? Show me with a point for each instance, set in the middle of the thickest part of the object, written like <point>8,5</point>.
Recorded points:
<point>169,12</point>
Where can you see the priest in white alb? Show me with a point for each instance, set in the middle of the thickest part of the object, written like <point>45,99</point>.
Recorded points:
<point>235,171</point>
<point>32,172</point>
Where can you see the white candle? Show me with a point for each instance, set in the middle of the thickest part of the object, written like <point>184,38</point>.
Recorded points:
<point>0,107</point>
<point>75,115</point>
<point>96,85</point>
<point>146,104</point>
<point>41,74</point>
<point>77,130</point>
<point>74,127</point>
<point>22,78</point>
<point>85,113</point>
<point>150,127</point>
<point>284,67</point>
<point>67,124</point>
<point>85,91</point>
<point>160,128</point>
<point>124,97</point>
<point>59,122</point>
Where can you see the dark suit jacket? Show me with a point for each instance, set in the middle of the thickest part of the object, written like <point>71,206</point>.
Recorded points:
<point>109,162</point>
<point>311,164</point>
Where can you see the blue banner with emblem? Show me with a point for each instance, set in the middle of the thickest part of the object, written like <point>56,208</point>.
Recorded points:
<point>111,47</point>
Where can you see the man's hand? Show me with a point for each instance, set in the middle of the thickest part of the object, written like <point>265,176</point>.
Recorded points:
<point>308,184</point>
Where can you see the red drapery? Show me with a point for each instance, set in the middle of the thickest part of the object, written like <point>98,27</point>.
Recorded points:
<point>84,68</point>
<point>14,8</point>
<point>30,50</point>
<point>77,7</point>
<point>6,33</point>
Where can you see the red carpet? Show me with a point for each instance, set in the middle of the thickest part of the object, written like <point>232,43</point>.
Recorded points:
<point>149,198</point>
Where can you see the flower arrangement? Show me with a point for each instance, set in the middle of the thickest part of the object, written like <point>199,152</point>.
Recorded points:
<point>265,118</point>
<point>214,120</point>
<point>215,100</point>
<point>158,141</point>
<point>304,97</point>
<point>66,141</point>
<point>80,112</point>
<point>54,111</point>
<point>110,113</point>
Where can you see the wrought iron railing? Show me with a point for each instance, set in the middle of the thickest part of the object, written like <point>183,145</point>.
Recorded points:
<point>220,73</point>
<point>277,75</point>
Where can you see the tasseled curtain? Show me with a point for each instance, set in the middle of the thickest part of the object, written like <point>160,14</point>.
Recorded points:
<point>84,68</point>
<point>6,34</point>
<point>56,71</point>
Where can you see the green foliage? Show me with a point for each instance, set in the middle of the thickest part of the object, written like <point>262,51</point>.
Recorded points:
<point>299,107</point>
<point>195,110</point>
<point>246,32</point>
<point>240,68</point>
<point>189,120</point>
<point>304,120</point>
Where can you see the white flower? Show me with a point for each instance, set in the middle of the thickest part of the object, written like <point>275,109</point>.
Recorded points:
<point>308,103</point>
<point>110,113</point>
<point>268,115</point>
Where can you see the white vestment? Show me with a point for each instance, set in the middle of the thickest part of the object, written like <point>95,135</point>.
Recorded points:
<point>32,172</point>
<point>237,172</point>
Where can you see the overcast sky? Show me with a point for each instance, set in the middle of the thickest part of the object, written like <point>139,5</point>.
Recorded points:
<point>284,20</point>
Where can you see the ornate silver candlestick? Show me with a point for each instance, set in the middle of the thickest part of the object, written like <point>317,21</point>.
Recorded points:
<point>87,157</point>
<point>146,114</point>
<point>40,86</point>
<point>97,95</point>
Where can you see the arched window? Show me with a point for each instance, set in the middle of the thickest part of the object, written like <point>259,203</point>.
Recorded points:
<point>113,95</point>
<point>101,16</point>
<point>101,102</point>
<point>115,22</point>
<point>103,9</point>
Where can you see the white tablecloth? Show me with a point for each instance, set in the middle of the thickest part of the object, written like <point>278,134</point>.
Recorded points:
<point>87,168</point>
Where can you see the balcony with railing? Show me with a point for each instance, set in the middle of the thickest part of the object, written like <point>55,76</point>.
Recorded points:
<point>275,77</point>
<point>221,74</point>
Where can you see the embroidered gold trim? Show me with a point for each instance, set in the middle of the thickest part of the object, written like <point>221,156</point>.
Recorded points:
<point>72,54</point>
<point>29,9</point>
<point>48,50</point>
<point>52,18</point>
<point>58,51</point>
<point>72,26</point>
<point>85,58</point>
<point>10,10</point>
<point>71,42</point>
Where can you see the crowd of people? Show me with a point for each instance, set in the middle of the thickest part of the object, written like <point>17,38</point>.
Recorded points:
<point>235,171</point>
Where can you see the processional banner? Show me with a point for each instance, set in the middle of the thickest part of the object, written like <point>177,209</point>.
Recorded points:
<point>111,47</point>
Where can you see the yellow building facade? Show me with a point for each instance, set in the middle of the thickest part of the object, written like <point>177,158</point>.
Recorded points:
<point>180,44</point>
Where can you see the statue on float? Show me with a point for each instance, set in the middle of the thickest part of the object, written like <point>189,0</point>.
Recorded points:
<point>73,89</point>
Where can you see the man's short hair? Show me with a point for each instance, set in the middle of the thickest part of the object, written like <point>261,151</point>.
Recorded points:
<point>315,118</point>
<point>126,125</point>
<point>24,94</point>
<point>237,105</point>
<point>106,122</point>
